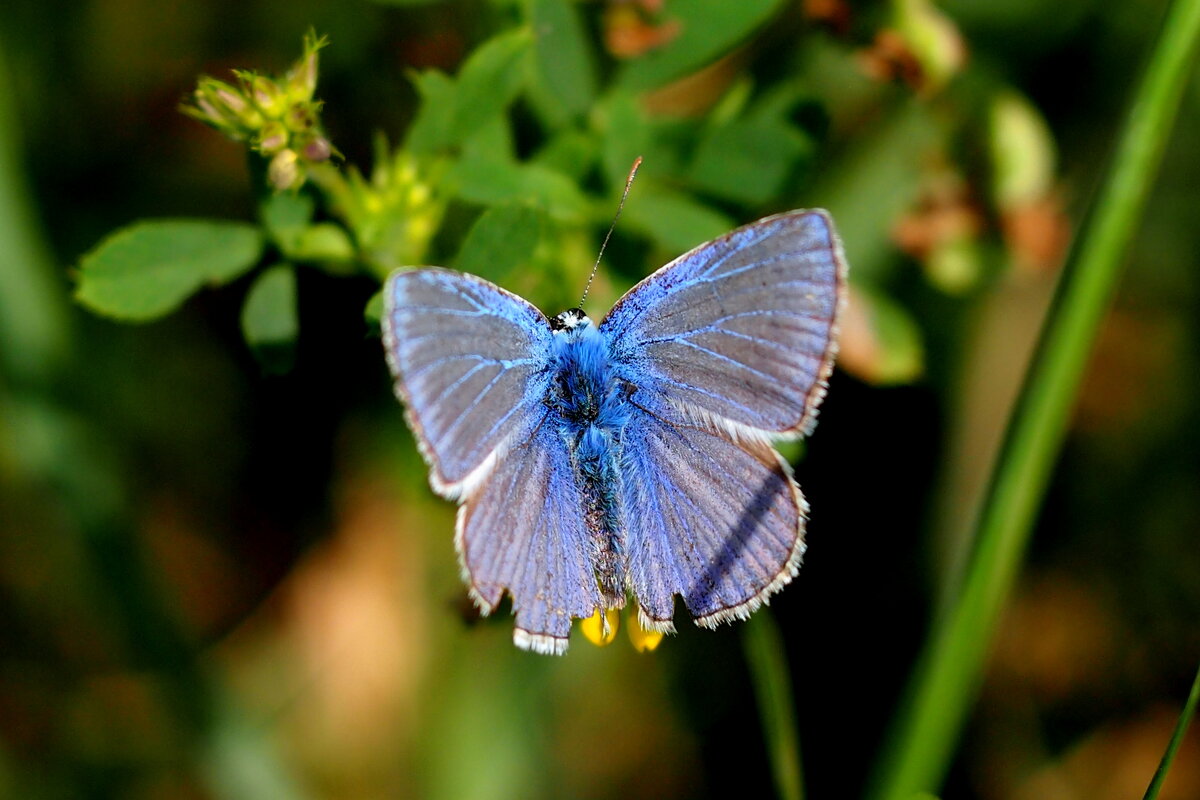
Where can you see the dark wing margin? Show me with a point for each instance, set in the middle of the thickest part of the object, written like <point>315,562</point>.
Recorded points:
<point>718,522</point>
<point>741,332</point>
<point>471,363</point>
<point>522,531</point>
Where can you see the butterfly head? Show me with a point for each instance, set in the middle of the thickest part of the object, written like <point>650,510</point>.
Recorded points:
<point>569,320</point>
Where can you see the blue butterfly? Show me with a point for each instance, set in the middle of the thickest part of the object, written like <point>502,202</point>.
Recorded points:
<point>592,463</point>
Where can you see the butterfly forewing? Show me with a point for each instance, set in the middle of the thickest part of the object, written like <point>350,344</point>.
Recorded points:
<point>471,366</point>
<point>740,331</point>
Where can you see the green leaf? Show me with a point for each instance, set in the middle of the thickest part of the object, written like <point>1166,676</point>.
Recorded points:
<point>747,161</point>
<point>492,182</point>
<point>285,215</point>
<point>323,242</point>
<point>792,450</point>
<point>733,102</point>
<point>899,348</point>
<point>503,239</point>
<point>454,109</point>
<point>570,152</point>
<point>674,220</point>
<point>707,30</point>
<point>430,131</point>
<point>373,312</point>
<point>407,2</point>
<point>566,64</point>
<point>630,133</point>
<point>489,81</point>
<point>874,181</point>
<point>149,268</point>
<point>269,320</point>
<point>492,141</point>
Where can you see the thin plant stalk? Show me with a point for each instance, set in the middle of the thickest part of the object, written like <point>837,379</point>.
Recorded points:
<point>769,674</point>
<point>922,742</point>
<point>1181,727</point>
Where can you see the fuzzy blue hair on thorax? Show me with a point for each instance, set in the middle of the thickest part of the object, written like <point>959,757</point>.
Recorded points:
<point>585,397</point>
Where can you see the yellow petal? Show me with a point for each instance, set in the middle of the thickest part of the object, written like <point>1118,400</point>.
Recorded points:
<point>601,630</point>
<point>643,640</point>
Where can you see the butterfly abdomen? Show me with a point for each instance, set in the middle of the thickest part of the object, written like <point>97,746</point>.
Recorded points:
<point>591,415</point>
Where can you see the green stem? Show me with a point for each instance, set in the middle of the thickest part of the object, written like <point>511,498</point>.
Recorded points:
<point>1185,719</point>
<point>772,687</point>
<point>948,672</point>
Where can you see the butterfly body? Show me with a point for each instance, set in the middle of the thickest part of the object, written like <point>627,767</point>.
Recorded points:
<point>589,407</point>
<point>594,463</point>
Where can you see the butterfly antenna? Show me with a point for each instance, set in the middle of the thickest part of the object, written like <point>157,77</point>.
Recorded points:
<point>628,183</point>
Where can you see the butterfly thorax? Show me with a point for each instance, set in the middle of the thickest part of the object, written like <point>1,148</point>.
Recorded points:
<point>585,400</point>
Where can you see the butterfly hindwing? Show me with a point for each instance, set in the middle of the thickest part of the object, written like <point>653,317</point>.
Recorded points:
<point>472,365</point>
<point>718,522</point>
<point>523,531</point>
<point>739,331</point>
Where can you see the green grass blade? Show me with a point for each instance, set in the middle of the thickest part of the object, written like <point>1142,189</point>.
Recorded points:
<point>772,687</point>
<point>1185,719</point>
<point>922,741</point>
<point>34,324</point>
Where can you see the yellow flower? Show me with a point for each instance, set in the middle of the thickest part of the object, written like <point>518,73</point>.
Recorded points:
<point>643,640</point>
<point>601,629</point>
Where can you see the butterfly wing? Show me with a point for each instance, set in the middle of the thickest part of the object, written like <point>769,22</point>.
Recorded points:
<point>728,345</point>
<point>471,363</point>
<point>718,522</point>
<point>523,530</point>
<point>739,332</point>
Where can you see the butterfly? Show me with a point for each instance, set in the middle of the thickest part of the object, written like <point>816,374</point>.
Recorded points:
<point>593,463</point>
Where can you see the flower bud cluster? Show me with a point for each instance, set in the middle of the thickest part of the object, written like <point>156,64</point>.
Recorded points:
<point>276,117</point>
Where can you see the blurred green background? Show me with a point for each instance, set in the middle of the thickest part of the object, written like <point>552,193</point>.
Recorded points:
<point>224,578</point>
